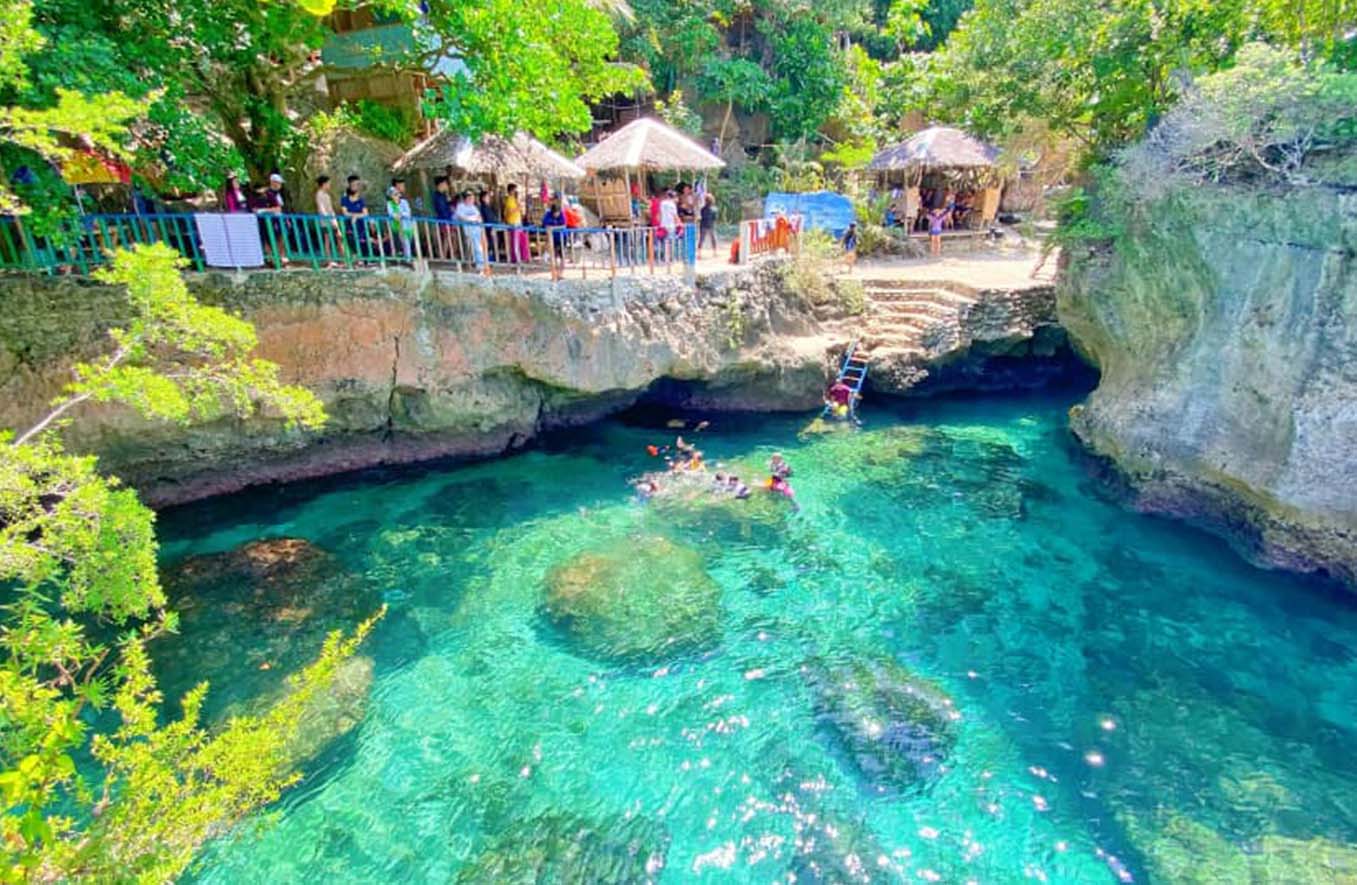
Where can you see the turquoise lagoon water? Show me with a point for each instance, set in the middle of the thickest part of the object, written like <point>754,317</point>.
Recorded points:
<point>1129,700</point>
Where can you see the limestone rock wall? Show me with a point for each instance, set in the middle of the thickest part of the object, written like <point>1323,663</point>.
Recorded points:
<point>1225,327</point>
<point>415,366</point>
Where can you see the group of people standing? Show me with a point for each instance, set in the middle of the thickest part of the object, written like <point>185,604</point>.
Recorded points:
<point>671,210</point>
<point>480,227</point>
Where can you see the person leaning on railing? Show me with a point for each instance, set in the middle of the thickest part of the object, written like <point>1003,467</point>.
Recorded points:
<point>513,216</point>
<point>402,218</point>
<point>554,221</point>
<point>330,240</point>
<point>443,213</point>
<point>491,217</point>
<point>355,211</point>
<point>470,217</point>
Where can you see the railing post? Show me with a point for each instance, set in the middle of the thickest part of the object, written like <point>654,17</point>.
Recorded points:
<point>746,241</point>
<point>420,263</point>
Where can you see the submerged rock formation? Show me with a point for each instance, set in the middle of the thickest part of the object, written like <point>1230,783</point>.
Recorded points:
<point>572,851</point>
<point>638,598</point>
<point>898,729</point>
<point>1223,324</point>
<point>264,607</point>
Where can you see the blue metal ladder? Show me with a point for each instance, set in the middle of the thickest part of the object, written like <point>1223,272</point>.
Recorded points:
<point>852,372</point>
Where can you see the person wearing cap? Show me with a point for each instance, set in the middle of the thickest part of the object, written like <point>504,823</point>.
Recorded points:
<point>276,203</point>
<point>276,190</point>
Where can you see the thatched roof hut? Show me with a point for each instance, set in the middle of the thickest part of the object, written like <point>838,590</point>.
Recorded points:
<point>649,145</point>
<point>937,149</point>
<point>520,156</point>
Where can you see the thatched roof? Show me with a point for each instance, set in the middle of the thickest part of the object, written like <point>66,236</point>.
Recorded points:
<point>648,144</point>
<point>936,148</point>
<point>521,155</point>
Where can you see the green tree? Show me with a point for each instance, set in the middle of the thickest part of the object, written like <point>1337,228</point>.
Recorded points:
<point>731,80</point>
<point>530,66</point>
<point>223,77</point>
<point>1104,73</point>
<point>78,554</point>
<point>44,134</point>
<point>808,75</point>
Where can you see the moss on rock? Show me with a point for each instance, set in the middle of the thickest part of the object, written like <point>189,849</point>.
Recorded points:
<point>572,851</point>
<point>264,606</point>
<point>635,598</point>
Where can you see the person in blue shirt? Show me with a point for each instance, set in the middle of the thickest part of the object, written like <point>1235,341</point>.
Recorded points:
<point>555,218</point>
<point>354,209</point>
<point>444,212</point>
<point>442,206</point>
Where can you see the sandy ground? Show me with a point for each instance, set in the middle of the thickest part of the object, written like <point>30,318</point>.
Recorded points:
<point>1007,268</point>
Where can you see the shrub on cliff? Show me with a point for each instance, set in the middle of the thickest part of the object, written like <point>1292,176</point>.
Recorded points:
<point>78,561</point>
<point>1265,118</point>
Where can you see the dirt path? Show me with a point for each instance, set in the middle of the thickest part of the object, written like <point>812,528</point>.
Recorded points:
<point>1006,269</point>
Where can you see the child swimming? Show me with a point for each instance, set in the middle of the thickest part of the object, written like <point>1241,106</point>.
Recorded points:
<point>737,488</point>
<point>779,467</point>
<point>779,486</point>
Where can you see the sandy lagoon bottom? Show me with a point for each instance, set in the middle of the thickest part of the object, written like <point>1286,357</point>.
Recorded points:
<point>960,661</point>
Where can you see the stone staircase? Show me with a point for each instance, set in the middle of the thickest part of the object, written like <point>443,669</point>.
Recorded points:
<point>910,319</point>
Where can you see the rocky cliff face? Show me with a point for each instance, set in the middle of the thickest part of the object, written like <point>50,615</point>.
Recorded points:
<point>1225,327</point>
<point>417,366</point>
<point>413,366</point>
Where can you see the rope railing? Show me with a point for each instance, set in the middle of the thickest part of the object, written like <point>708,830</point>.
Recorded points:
<point>241,241</point>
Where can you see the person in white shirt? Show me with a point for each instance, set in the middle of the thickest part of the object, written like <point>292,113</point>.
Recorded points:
<point>669,222</point>
<point>470,216</point>
<point>402,218</point>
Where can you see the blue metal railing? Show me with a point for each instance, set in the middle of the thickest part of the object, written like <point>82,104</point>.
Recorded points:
<point>298,240</point>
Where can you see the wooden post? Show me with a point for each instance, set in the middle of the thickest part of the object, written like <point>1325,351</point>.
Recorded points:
<point>626,184</point>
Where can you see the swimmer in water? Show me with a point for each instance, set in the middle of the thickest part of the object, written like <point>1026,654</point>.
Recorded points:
<point>839,399</point>
<point>780,486</point>
<point>737,488</point>
<point>779,467</point>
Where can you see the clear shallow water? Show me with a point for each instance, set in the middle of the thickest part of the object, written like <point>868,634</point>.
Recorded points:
<point>1132,701</point>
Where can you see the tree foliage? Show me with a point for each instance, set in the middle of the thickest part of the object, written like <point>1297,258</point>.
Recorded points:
<point>1102,73</point>
<point>1265,116</point>
<point>226,80</point>
<point>78,552</point>
<point>45,134</point>
<point>531,66</point>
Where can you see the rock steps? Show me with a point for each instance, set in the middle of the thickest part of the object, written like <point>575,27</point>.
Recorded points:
<point>906,318</point>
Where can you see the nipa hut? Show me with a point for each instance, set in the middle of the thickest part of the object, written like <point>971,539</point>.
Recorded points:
<point>936,160</point>
<point>492,160</point>
<point>642,146</point>
<point>521,156</point>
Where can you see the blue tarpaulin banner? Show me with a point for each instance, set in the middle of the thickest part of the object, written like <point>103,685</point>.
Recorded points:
<point>822,210</point>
